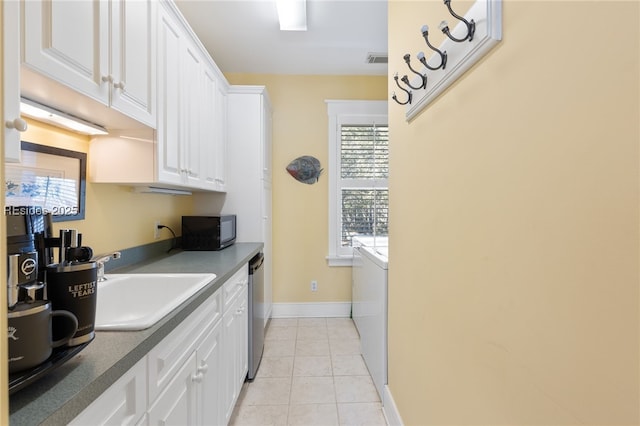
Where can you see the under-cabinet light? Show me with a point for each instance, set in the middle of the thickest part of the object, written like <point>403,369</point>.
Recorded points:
<point>159,190</point>
<point>292,15</point>
<point>57,118</point>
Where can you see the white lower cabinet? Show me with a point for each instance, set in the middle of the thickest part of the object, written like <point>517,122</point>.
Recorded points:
<point>235,353</point>
<point>176,405</point>
<point>193,376</point>
<point>124,403</point>
<point>209,368</point>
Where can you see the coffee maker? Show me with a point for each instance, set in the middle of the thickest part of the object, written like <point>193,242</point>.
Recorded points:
<point>29,316</point>
<point>50,304</point>
<point>28,229</point>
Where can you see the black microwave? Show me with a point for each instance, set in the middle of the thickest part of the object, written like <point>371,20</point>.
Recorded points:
<point>208,232</point>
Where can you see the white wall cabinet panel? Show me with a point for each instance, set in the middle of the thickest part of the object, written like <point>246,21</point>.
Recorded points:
<point>221,138</point>
<point>192,98</point>
<point>208,127</point>
<point>13,124</point>
<point>168,132</point>
<point>102,49</point>
<point>213,126</point>
<point>190,107</point>
<point>249,172</point>
<point>69,42</point>
<point>133,59</point>
<point>188,87</point>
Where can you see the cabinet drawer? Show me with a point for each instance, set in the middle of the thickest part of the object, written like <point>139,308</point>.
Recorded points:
<point>167,356</point>
<point>233,286</point>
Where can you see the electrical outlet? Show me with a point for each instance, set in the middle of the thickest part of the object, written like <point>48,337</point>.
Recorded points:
<point>314,285</point>
<point>156,229</point>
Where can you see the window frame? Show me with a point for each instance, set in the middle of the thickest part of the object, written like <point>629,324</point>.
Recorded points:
<point>351,113</point>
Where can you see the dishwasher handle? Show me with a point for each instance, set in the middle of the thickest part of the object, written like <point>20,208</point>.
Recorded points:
<point>256,263</point>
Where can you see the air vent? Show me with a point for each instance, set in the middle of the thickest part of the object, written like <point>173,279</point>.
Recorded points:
<point>377,58</point>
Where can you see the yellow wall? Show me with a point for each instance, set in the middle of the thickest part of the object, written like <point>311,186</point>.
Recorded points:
<point>115,217</point>
<point>300,221</point>
<point>514,264</point>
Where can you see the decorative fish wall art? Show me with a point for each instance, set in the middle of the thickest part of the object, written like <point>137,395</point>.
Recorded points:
<point>305,169</point>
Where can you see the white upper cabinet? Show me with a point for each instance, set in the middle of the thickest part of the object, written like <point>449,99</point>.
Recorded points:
<point>209,127</point>
<point>168,135</point>
<point>221,138</point>
<point>102,49</point>
<point>133,57</point>
<point>213,119</point>
<point>13,124</point>
<point>191,107</point>
<point>188,88</point>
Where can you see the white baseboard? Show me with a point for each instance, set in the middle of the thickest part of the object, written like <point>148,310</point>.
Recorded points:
<point>389,408</point>
<point>311,310</point>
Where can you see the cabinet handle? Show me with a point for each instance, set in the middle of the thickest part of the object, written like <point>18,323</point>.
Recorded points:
<point>19,124</point>
<point>119,85</point>
<point>203,368</point>
<point>197,377</point>
<point>107,78</point>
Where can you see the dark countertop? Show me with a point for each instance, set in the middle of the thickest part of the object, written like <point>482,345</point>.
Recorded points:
<point>61,395</point>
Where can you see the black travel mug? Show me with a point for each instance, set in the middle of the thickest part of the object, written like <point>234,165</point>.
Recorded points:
<point>73,287</point>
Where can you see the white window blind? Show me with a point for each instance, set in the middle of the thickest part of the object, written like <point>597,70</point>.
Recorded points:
<point>364,172</point>
<point>358,174</point>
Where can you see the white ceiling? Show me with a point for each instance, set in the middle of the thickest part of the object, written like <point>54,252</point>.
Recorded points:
<point>243,36</point>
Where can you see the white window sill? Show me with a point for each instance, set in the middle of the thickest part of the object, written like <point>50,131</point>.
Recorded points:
<point>340,260</point>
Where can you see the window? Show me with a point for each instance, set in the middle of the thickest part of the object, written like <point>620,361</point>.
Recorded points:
<point>358,174</point>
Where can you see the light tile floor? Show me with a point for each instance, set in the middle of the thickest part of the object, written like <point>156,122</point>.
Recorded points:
<point>312,373</point>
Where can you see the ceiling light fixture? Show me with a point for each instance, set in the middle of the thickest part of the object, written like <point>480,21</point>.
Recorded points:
<point>57,118</point>
<point>292,15</point>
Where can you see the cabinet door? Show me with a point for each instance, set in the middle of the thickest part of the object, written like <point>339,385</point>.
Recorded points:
<point>221,139</point>
<point>124,403</point>
<point>209,128</point>
<point>169,134</point>
<point>133,59</point>
<point>177,403</point>
<point>13,124</point>
<point>230,339</point>
<point>209,365</point>
<point>236,350</point>
<point>191,85</point>
<point>242,332</point>
<point>69,42</point>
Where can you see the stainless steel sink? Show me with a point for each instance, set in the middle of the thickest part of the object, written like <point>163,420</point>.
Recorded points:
<point>138,301</point>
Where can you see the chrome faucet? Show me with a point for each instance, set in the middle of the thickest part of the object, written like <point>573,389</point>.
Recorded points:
<point>101,259</point>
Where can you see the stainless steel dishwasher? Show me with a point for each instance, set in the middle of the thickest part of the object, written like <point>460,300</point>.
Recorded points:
<point>256,313</point>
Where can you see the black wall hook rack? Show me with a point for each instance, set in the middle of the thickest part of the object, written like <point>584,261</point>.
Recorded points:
<point>471,26</point>
<point>393,95</point>
<point>405,79</point>
<point>421,57</point>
